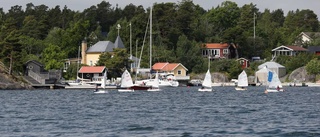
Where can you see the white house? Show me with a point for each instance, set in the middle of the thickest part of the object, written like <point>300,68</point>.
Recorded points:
<point>288,50</point>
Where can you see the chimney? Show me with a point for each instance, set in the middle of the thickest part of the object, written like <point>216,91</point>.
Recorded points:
<point>83,52</point>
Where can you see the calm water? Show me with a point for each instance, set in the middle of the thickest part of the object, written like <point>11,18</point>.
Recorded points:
<point>173,112</point>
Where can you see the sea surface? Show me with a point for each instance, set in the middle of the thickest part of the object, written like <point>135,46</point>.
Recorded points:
<point>174,112</point>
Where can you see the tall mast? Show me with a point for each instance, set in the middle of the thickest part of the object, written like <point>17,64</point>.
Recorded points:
<point>254,32</point>
<point>150,40</point>
<point>78,63</point>
<point>130,47</point>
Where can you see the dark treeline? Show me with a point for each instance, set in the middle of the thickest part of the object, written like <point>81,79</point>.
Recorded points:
<point>53,34</point>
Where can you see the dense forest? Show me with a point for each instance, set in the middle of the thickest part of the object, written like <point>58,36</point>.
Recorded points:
<point>51,35</point>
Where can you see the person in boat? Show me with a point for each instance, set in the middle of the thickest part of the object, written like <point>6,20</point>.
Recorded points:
<point>278,88</point>
<point>96,89</point>
<point>202,87</point>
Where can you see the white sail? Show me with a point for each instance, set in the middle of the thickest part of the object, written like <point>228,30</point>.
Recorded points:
<point>155,84</point>
<point>156,81</point>
<point>126,80</point>
<point>274,80</point>
<point>103,84</point>
<point>207,80</point>
<point>243,79</point>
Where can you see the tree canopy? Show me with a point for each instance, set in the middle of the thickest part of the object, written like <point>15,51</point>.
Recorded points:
<point>179,30</point>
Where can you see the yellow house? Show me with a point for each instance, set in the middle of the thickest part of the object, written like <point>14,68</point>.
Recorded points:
<point>90,56</point>
<point>177,69</point>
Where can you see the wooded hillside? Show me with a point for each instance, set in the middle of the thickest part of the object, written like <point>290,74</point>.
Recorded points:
<point>51,35</point>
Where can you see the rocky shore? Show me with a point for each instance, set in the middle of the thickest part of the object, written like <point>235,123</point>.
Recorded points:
<point>11,82</point>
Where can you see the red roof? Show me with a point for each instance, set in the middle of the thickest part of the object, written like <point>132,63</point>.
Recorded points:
<point>165,66</point>
<point>91,69</point>
<point>159,66</point>
<point>217,45</point>
<point>170,67</point>
<point>297,48</point>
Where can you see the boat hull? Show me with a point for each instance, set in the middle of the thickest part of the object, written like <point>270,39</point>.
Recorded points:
<point>154,89</point>
<point>273,90</point>
<point>101,91</point>
<point>205,89</point>
<point>140,87</point>
<point>126,90</point>
<point>240,88</point>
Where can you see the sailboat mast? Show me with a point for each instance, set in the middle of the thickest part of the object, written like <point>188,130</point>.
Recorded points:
<point>150,65</point>
<point>209,62</point>
<point>78,62</point>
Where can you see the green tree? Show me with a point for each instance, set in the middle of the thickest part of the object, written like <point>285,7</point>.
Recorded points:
<point>53,57</point>
<point>313,67</point>
<point>224,17</point>
<point>234,70</point>
<point>71,72</point>
<point>188,53</point>
<point>293,62</point>
<point>116,62</point>
<point>10,46</point>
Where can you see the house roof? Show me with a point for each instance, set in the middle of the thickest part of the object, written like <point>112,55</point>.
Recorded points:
<point>270,64</point>
<point>118,43</point>
<point>73,59</point>
<point>101,46</point>
<point>92,69</point>
<point>297,48</point>
<point>135,59</point>
<point>35,62</point>
<point>313,48</point>
<point>242,59</point>
<point>311,35</point>
<point>217,45</point>
<point>165,66</point>
<point>292,48</point>
<point>159,65</point>
<point>170,67</point>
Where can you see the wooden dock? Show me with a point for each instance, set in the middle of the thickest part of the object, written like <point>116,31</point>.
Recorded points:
<point>48,86</point>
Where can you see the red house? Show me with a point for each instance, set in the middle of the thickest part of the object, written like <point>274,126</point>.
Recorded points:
<point>93,73</point>
<point>220,50</point>
<point>244,62</point>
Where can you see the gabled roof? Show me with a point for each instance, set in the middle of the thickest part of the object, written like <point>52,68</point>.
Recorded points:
<point>134,59</point>
<point>159,65</point>
<point>165,66</point>
<point>217,45</point>
<point>35,62</point>
<point>242,59</point>
<point>297,48</point>
<point>291,48</point>
<point>311,35</point>
<point>118,43</point>
<point>170,67</point>
<point>92,69</point>
<point>101,46</point>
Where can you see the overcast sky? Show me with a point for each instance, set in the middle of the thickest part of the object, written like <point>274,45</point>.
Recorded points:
<point>80,5</point>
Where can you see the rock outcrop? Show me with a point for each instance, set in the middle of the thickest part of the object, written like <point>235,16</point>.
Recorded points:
<point>10,82</point>
<point>216,77</point>
<point>300,75</point>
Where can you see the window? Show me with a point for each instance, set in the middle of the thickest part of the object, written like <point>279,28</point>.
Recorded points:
<point>91,63</point>
<point>225,51</point>
<point>179,72</point>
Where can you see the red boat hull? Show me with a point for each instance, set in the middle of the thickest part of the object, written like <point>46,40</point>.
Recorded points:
<point>140,87</point>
